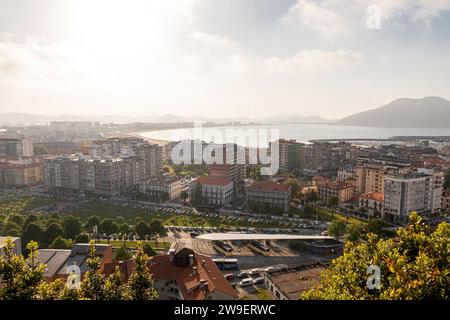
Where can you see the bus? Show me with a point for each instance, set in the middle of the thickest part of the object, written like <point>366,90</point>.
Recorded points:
<point>226,264</point>
<point>260,247</point>
<point>222,247</point>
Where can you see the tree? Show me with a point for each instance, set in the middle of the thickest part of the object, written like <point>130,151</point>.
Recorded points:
<point>376,226</point>
<point>148,249</point>
<point>93,285</point>
<point>33,232</point>
<point>140,283</point>
<point>82,238</point>
<point>53,230</point>
<point>333,202</point>
<point>60,243</point>
<point>336,228</point>
<point>354,232</point>
<point>108,226</point>
<point>91,223</point>
<point>414,266</point>
<point>142,229</point>
<point>20,277</point>
<point>312,196</point>
<point>71,226</point>
<point>114,286</point>
<point>293,183</point>
<point>196,196</point>
<point>122,253</point>
<point>157,229</point>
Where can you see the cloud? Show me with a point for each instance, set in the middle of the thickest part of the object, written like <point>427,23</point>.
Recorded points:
<point>332,18</point>
<point>213,40</point>
<point>32,59</point>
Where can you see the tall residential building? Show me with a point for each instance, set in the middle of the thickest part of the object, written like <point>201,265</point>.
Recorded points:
<point>326,156</point>
<point>289,153</point>
<point>22,172</point>
<point>404,193</point>
<point>102,176</point>
<point>16,148</point>
<point>232,167</point>
<point>150,154</point>
<point>438,186</point>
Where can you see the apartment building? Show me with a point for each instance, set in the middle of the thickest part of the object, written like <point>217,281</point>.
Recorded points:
<point>162,187</point>
<point>326,156</point>
<point>16,148</point>
<point>212,191</point>
<point>102,176</point>
<point>151,155</point>
<point>229,164</point>
<point>268,194</point>
<point>373,202</point>
<point>446,200</point>
<point>438,186</point>
<point>22,172</point>
<point>404,193</point>
<point>369,176</point>
<point>289,153</point>
<point>328,189</point>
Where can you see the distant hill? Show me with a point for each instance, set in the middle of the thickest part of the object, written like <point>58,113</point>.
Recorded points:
<point>25,118</point>
<point>428,112</point>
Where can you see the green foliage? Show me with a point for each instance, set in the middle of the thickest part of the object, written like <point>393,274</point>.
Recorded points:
<point>93,285</point>
<point>60,243</point>
<point>354,232</point>
<point>33,232</point>
<point>20,277</point>
<point>71,226</point>
<point>333,202</point>
<point>115,287</point>
<point>337,228</point>
<point>91,223</point>
<point>142,229</point>
<point>122,253</point>
<point>53,231</point>
<point>140,282</point>
<point>416,265</point>
<point>108,226</point>
<point>82,238</point>
<point>148,249</point>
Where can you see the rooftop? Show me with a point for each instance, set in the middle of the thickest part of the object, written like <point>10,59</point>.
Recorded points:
<point>211,180</point>
<point>257,236</point>
<point>268,186</point>
<point>293,282</point>
<point>378,196</point>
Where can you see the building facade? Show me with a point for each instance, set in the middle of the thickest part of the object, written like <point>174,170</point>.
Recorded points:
<point>404,193</point>
<point>268,194</point>
<point>212,191</point>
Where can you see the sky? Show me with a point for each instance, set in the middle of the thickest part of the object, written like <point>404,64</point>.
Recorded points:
<point>220,58</point>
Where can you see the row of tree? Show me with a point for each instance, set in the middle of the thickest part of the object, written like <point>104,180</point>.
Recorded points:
<point>413,265</point>
<point>22,279</point>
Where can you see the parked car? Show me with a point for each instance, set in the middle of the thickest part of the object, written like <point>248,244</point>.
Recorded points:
<point>246,282</point>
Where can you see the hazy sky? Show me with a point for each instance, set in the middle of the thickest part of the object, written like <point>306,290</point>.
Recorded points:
<point>220,57</point>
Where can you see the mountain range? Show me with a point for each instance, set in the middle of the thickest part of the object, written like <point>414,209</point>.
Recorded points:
<point>428,112</point>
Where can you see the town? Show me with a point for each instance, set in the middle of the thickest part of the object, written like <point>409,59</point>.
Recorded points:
<point>219,231</point>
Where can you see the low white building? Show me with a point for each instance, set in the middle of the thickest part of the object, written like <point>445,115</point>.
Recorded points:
<point>172,186</point>
<point>213,191</point>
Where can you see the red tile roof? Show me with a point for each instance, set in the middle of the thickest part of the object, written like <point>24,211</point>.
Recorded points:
<point>212,180</point>
<point>189,284</point>
<point>378,196</point>
<point>268,186</point>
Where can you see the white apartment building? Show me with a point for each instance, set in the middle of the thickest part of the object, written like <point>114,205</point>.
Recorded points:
<point>172,186</point>
<point>438,186</point>
<point>404,193</point>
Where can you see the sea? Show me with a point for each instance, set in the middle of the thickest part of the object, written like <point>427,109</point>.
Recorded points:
<point>259,134</point>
